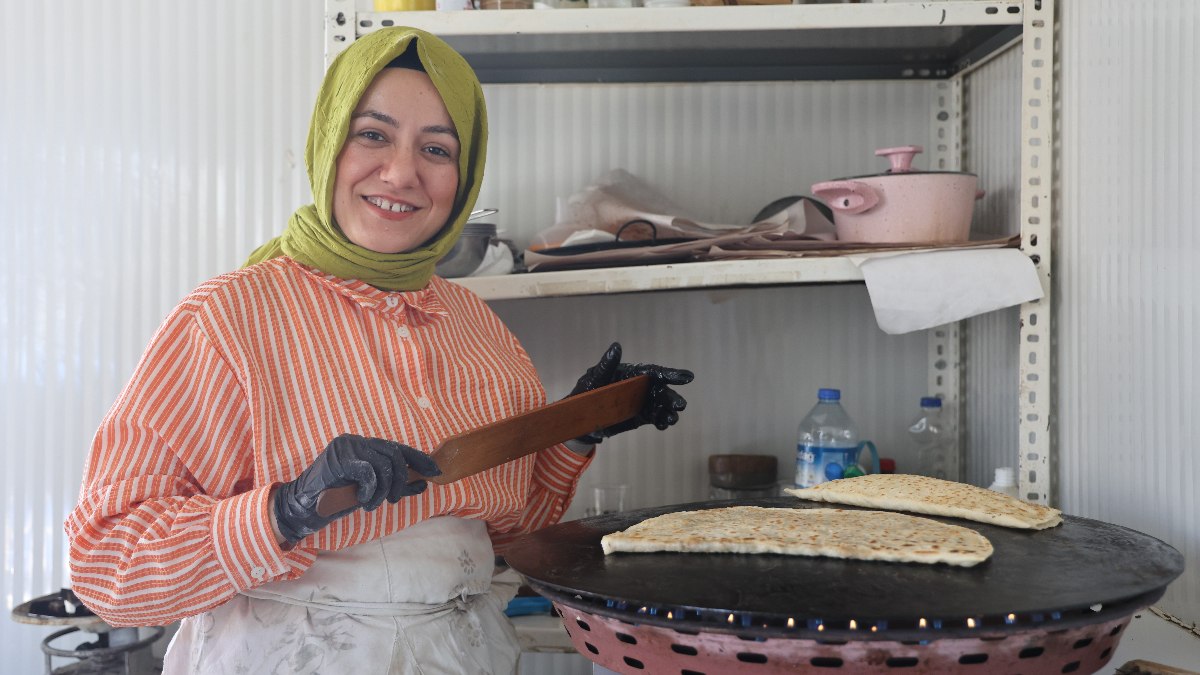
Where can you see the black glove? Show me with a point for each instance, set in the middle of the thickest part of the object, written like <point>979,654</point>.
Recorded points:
<point>662,403</point>
<point>379,467</point>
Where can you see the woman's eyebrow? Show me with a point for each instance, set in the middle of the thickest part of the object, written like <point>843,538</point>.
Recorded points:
<point>391,121</point>
<point>439,129</point>
<point>375,114</point>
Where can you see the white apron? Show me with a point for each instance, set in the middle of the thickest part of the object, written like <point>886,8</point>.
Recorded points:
<point>421,601</point>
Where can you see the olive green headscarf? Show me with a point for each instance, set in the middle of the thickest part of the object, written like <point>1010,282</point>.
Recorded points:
<point>311,237</point>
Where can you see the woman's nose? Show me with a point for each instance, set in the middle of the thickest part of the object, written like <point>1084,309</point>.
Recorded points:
<point>400,169</point>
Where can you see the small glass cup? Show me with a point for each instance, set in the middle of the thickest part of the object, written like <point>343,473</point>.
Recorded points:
<point>608,499</point>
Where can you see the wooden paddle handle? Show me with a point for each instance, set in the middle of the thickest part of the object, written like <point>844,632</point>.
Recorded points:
<point>502,441</point>
<point>335,500</point>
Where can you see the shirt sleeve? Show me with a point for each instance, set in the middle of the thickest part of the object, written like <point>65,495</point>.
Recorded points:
<point>555,477</point>
<point>171,520</point>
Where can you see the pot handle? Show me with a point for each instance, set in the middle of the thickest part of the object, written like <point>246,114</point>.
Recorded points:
<point>847,196</point>
<point>901,157</point>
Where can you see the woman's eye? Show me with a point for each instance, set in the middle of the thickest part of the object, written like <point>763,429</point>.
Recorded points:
<point>372,136</point>
<point>437,150</point>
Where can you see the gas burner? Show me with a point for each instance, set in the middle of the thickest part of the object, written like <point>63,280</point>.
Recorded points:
<point>115,651</point>
<point>626,647</point>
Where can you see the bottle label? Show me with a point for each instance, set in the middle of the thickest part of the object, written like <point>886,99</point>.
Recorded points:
<point>816,464</point>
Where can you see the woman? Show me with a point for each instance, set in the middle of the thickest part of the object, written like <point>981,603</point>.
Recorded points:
<point>335,358</point>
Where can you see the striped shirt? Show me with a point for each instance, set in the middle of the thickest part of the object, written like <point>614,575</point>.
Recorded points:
<point>244,384</point>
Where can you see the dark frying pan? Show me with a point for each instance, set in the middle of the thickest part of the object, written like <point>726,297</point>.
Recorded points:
<point>619,244</point>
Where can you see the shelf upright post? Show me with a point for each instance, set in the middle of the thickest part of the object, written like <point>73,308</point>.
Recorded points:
<point>945,379</point>
<point>1036,439</point>
<point>339,27</point>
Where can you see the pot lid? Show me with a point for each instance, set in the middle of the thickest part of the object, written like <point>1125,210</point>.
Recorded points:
<point>901,159</point>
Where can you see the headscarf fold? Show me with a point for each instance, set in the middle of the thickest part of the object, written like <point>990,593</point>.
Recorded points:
<point>312,237</point>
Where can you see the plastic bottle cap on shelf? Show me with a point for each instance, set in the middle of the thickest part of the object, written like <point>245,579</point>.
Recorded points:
<point>887,465</point>
<point>931,402</point>
<point>829,394</point>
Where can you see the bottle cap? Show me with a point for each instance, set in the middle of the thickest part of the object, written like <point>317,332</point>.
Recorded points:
<point>931,402</point>
<point>887,465</point>
<point>1005,476</point>
<point>829,394</point>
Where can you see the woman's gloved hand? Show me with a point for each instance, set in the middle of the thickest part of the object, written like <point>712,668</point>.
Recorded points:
<point>662,403</point>
<point>379,467</point>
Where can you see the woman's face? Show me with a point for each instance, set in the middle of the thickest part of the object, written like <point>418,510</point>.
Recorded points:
<point>397,173</point>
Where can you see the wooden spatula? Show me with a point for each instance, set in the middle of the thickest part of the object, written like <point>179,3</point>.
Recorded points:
<point>494,444</point>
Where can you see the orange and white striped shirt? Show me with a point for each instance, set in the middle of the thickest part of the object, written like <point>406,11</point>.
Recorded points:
<point>242,387</point>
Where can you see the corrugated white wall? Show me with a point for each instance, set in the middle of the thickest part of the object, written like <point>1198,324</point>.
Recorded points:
<point>1129,318</point>
<point>146,146</point>
<point>992,150</point>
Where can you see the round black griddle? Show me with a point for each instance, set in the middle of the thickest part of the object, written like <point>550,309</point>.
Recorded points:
<point>1080,572</point>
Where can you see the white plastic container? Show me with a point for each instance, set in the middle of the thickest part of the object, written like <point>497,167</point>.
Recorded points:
<point>1006,482</point>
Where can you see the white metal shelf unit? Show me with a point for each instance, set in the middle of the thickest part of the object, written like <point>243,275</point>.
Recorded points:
<point>1036,480</point>
<point>941,41</point>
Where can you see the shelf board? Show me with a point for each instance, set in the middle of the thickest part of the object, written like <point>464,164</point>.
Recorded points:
<point>930,40</point>
<point>676,276</point>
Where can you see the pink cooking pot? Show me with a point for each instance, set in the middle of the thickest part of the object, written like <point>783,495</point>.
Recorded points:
<point>902,205</point>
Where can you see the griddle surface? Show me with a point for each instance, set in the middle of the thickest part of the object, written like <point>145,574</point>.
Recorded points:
<point>1074,565</point>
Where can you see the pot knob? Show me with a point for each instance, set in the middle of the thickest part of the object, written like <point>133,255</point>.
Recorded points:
<point>901,157</point>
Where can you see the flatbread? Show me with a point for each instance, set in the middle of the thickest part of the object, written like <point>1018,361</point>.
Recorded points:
<point>932,496</point>
<point>834,533</point>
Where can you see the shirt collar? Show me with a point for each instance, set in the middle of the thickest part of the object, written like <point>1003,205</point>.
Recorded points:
<point>424,302</point>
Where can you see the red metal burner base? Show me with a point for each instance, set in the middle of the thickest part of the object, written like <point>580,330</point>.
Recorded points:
<point>638,649</point>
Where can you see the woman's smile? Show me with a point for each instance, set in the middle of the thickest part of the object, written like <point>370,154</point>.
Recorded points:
<point>390,208</point>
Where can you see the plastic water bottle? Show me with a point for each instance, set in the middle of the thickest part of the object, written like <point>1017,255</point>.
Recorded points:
<point>935,456</point>
<point>827,442</point>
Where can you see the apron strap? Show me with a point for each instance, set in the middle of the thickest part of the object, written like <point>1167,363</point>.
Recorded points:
<point>460,603</point>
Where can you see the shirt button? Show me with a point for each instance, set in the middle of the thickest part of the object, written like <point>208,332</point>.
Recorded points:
<point>423,403</point>
<point>391,301</point>
<point>258,572</point>
<point>404,332</point>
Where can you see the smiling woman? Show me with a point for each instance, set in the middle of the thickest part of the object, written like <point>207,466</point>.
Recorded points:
<point>336,358</point>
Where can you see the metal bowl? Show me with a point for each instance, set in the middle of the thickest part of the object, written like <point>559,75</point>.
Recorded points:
<point>468,251</point>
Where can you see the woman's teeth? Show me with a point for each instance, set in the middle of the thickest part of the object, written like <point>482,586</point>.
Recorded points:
<point>394,207</point>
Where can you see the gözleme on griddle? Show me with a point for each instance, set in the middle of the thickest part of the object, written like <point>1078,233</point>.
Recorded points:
<point>837,533</point>
<point>860,535</point>
<point>932,496</point>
